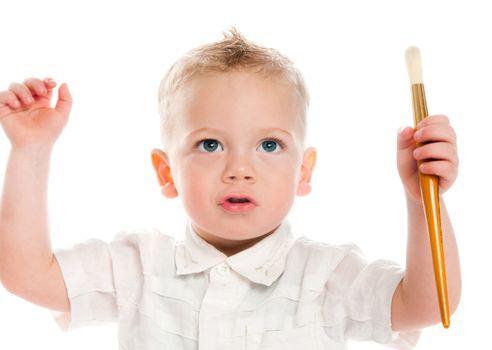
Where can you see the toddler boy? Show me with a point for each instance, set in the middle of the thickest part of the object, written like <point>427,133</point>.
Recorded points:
<point>233,125</point>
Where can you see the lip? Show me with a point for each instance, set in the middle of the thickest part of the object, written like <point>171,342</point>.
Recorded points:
<point>237,208</point>
<point>237,195</point>
<point>233,208</point>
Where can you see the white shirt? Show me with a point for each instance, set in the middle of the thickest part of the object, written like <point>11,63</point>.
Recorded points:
<point>282,293</point>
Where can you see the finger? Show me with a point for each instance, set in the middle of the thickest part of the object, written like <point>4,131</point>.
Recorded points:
<point>10,99</point>
<point>22,93</point>
<point>405,138</point>
<point>36,86</point>
<point>437,151</point>
<point>50,84</point>
<point>447,171</point>
<point>433,119</point>
<point>436,132</point>
<point>64,103</point>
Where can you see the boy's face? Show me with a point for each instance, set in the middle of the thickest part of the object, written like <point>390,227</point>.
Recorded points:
<point>236,134</point>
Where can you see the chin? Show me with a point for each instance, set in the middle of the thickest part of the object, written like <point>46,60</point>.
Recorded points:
<point>249,230</point>
<point>237,226</point>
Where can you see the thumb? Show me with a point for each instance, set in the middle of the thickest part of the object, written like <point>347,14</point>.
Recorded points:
<point>405,138</point>
<point>64,103</point>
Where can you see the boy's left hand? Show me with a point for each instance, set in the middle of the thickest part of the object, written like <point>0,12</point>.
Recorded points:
<point>438,152</point>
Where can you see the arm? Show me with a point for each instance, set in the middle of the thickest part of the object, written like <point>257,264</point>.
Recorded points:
<point>27,265</point>
<point>415,303</point>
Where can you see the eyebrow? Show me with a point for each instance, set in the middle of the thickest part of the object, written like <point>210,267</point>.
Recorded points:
<point>218,131</point>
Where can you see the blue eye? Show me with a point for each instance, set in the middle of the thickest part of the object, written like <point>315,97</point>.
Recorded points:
<point>209,145</point>
<point>271,145</point>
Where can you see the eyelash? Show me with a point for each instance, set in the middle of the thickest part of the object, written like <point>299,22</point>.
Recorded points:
<point>279,141</point>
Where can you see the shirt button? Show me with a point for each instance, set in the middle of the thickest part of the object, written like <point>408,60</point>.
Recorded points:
<point>224,269</point>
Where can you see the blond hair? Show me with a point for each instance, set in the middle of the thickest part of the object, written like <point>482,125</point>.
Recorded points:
<point>234,52</point>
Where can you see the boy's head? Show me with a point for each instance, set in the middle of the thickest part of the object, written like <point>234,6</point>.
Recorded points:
<point>233,53</point>
<point>233,123</point>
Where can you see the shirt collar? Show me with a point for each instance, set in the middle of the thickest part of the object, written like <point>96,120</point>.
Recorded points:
<point>262,263</point>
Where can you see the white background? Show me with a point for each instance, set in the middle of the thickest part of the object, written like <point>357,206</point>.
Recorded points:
<point>114,53</point>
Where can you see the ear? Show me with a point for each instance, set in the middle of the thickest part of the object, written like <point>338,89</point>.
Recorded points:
<point>162,169</point>
<point>307,167</point>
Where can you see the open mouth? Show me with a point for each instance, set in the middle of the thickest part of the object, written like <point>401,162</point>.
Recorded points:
<point>238,200</point>
<point>238,203</point>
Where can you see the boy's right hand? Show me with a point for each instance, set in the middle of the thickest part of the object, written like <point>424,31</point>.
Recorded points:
<point>26,114</point>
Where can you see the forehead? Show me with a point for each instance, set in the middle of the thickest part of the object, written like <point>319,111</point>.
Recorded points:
<point>237,99</point>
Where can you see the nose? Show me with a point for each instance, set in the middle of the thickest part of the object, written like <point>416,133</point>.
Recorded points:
<point>239,170</point>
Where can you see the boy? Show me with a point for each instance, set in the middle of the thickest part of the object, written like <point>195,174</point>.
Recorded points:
<point>233,127</point>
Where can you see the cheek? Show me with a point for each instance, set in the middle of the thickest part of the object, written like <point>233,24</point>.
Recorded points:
<point>197,181</point>
<point>279,184</point>
<point>280,177</point>
<point>281,169</point>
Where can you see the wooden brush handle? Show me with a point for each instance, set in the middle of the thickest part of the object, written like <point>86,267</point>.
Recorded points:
<point>429,187</point>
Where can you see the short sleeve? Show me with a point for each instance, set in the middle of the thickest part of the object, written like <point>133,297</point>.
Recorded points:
<point>357,301</point>
<point>103,277</point>
<point>88,274</point>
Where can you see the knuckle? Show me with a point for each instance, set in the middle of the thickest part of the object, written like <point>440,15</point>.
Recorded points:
<point>13,86</point>
<point>453,132</point>
<point>34,84</point>
<point>28,81</point>
<point>19,90</point>
<point>452,170</point>
<point>10,95</point>
<point>444,118</point>
<point>437,118</point>
<point>457,161</point>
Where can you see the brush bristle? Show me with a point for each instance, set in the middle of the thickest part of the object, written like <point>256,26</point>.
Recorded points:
<point>414,65</point>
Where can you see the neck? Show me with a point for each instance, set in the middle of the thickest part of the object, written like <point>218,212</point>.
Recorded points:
<point>231,247</point>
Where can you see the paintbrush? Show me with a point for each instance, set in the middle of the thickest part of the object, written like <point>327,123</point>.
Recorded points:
<point>429,186</point>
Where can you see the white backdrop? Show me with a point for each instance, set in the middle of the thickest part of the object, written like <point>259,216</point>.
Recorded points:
<point>114,53</point>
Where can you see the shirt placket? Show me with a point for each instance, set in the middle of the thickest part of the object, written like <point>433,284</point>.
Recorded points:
<point>219,307</point>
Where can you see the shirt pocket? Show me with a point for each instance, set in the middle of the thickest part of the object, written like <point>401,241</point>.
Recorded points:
<point>172,308</point>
